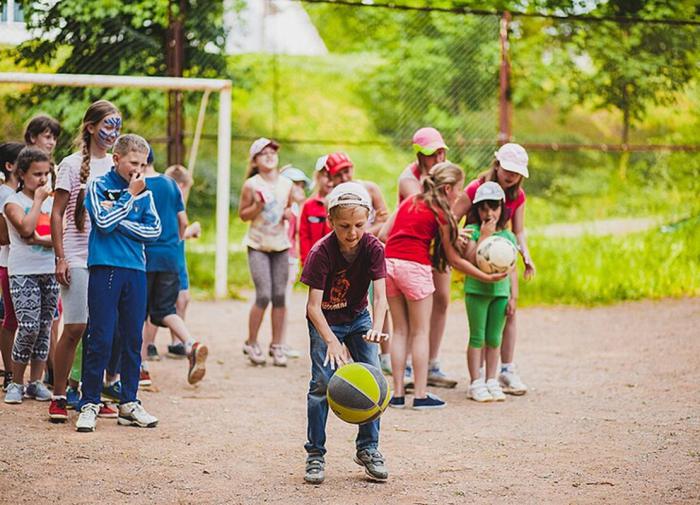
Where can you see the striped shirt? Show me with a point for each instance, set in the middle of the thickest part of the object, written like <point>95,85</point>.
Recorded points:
<point>75,242</point>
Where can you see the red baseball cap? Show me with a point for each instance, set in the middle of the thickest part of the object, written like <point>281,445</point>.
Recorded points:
<point>337,162</point>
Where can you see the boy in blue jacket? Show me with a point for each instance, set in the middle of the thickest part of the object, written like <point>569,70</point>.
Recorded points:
<point>123,217</point>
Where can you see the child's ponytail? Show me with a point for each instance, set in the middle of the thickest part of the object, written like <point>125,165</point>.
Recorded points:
<point>93,115</point>
<point>441,175</point>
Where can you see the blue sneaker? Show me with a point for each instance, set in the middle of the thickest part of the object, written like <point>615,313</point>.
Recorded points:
<point>397,402</point>
<point>37,391</point>
<point>14,393</point>
<point>429,402</point>
<point>438,378</point>
<point>113,391</point>
<point>408,377</point>
<point>72,398</point>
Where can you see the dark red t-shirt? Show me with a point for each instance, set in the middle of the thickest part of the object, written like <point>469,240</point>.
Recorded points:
<point>415,226</point>
<point>313,225</point>
<point>511,205</point>
<point>344,284</point>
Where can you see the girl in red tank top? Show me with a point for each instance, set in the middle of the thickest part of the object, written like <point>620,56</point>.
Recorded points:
<point>421,220</point>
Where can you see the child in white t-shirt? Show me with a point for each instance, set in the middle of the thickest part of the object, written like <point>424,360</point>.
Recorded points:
<point>31,267</point>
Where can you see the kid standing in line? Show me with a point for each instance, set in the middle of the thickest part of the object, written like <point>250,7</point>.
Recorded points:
<point>70,230</point>
<point>163,274</point>
<point>123,218</point>
<point>487,304</point>
<point>430,149</point>
<point>419,221</point>
<point>313,222</point>
<point>33,285</point>
<point>42,132</point>
<point>265,199</point>
<point>509,168</point>
<point>8,163</point>
<point>297,199</point>
<point>338,272</point>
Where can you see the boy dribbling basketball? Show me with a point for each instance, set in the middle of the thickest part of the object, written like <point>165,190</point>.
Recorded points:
<point>338,271</point>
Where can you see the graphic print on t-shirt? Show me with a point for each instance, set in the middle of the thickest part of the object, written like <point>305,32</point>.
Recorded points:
<point>338,295</point>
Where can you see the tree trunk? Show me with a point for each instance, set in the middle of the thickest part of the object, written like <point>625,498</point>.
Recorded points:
<point>625,158</point>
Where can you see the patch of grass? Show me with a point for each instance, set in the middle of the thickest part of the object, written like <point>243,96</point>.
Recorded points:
<point>203,275</point>
<point>591,270</point>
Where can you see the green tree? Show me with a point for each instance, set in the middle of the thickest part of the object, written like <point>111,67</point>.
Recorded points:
<point>115,38</point>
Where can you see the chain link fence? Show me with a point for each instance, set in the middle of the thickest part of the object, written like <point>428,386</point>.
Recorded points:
<point>582,105</point>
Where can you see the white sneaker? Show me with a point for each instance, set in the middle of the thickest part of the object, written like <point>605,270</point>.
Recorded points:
<point>133,414</point>
<point>478,391</point>
<point>511,383</point>
<point>87,420</point>
<point>495,390</point>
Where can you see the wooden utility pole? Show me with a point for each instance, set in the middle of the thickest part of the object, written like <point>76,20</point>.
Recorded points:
<point>175,48</point>
<point>505,132</point>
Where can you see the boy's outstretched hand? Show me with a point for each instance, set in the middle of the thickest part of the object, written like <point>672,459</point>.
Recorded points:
<point>375,336</point>
<point>337,355</point>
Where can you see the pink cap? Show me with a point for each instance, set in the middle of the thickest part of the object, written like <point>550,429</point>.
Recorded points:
<point>428,140</point>
<point>260,144</point>
<point>513,158</point>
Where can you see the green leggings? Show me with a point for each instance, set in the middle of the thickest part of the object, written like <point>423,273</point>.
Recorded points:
<point>76,371</point>
<point>487,318</point>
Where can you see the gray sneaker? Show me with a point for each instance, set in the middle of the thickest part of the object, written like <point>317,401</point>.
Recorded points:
<point>314,473</point>
<point>14,393</point>
<point>133,414</point>
<point>37,391</point>
<point>373,461</point>
<point>439,379</point>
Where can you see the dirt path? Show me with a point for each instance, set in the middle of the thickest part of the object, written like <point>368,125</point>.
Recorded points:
<point>613,416</point>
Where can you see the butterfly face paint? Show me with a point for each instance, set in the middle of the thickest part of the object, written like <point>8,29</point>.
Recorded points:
<point>109,131</point>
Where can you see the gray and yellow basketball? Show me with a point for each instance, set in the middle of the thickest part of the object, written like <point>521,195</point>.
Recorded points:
<point>358,393</point>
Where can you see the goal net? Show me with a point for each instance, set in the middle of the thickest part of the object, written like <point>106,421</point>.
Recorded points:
<point>223,137</point>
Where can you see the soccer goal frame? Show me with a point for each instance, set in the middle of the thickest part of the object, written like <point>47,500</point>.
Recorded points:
<point>223,173</point>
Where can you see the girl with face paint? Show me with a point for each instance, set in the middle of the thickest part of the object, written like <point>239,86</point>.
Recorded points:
<point>98,132</point>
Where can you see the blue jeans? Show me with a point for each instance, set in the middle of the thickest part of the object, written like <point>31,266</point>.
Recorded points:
<point>361,351</point>
<point>116,304</point>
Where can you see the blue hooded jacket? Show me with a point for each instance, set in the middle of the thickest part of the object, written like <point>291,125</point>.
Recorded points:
<point>121,223</point>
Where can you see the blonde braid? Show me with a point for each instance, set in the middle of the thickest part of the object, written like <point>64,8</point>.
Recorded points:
<point>79,216</point>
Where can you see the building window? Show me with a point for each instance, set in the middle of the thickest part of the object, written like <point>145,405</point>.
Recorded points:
<point>11,12</point>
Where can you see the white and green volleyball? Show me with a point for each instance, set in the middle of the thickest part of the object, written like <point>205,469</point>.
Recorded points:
<point>358,393</point>
<point>496,254</point>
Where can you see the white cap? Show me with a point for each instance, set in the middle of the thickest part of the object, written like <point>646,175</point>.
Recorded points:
<point>321,163</point>
<point>349,193</point>
<point>260,144</point>
<point>513,158</point>
<point>489,191</point>
<point>295,174</point>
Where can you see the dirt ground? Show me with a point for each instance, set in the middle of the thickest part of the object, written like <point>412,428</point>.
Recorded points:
<point>613,416</point>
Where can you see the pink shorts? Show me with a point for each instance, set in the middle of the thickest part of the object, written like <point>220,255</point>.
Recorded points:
<point>10,320</point>
<point>409,278</point>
